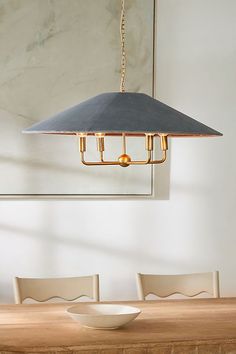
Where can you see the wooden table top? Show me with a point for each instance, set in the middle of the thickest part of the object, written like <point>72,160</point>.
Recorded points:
<point>48,328</point>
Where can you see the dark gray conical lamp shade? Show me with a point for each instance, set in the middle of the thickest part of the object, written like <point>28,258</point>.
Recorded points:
<point>126,114</point>
<point>115,113</point>
<point>122,113</point>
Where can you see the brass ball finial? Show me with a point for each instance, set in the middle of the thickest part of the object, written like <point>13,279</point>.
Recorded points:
<point>124,160</point>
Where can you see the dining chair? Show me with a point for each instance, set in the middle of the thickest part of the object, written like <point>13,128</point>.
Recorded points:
<point>44,289</point>
<point>189,285</point>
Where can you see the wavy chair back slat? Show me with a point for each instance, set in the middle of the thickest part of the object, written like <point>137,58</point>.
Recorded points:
<point>68,289</point>
<point>189,285</point>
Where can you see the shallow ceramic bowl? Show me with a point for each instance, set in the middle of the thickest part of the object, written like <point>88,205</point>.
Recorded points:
<point>103,316</point>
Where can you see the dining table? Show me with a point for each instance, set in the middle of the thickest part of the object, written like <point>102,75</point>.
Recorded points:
<point>193,326</point>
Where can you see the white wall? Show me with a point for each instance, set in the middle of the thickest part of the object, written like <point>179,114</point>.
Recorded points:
<point>192,231</point>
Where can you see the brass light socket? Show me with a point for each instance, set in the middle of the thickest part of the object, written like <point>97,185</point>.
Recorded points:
<point>149,142</point>
<point>100,143</point>
<point>164,142</point>
<point>82,143</point>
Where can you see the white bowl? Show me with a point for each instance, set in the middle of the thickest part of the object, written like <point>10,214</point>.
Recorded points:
<point>103,316</point>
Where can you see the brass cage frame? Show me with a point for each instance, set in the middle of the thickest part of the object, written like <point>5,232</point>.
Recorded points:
<point>123,160</point>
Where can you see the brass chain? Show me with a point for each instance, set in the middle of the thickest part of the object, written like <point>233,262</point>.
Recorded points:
<point>123,53</point>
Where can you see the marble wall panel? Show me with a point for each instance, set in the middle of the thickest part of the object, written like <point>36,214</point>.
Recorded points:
<point>54,54</point>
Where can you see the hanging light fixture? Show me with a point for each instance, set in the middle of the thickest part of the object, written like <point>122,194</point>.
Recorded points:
<point>125,114</point>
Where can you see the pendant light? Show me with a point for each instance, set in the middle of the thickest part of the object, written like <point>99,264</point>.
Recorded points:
<point>125,114</point>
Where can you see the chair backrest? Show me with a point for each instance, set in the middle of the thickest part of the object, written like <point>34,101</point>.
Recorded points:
<point>186,284</point>
<point>68,289</point>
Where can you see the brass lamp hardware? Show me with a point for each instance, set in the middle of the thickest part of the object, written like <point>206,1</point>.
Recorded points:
<point>149,142</point>
<point>100,142</point>
<point>164,143</point>
<point>124,160</point>
<point>82,143</point>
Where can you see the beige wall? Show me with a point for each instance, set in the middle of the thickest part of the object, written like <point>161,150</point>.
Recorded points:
<point>194,230</point>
